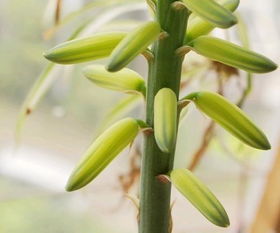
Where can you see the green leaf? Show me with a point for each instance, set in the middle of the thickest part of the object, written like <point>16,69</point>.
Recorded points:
<point>200,196</point>
<point>232,55</point>
<point>212,12</point>
<point>121,108</point>
<point>41,86</point>
<point>165,119</point>
<point>37,91</point>
<point>102,151</point>
<point>124,80</point>
<point>243,36</point>
<point>47,76</point>
<point>132,45</point>
<point>85,49</point>
<point>230,117</point>
<point>96,7</point>
<point>197,26</point>
<point>105,19</point>
<point>152,5</point>
<point>242,32</point>
<point>48,18</point>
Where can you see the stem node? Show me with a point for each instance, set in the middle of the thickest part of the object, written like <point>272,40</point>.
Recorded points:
<point>163,179</point>
<point>163,35</point>
<point>182,51</point>
<point>178,6</point>
<point>148,55</point>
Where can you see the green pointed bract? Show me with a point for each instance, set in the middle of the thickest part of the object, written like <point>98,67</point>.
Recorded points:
<point>212,12</point>
<point>124,80</point>
<point>232,55</point>
<point>102,151</point>
<point>230,117</point>
<point>165,119</point>
<point>132,45</point>
<point>85,49</point>
<point>200,196</point>
<point>197,26</point>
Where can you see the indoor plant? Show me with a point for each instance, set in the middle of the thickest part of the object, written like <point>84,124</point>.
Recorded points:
<point>178,28</point>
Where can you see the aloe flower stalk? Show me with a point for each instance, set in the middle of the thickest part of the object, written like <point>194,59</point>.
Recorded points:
<point>177,27</point>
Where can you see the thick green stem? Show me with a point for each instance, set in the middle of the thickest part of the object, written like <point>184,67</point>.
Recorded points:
<point>164,71</point>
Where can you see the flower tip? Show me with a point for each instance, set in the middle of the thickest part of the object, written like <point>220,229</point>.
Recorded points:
<point>225,223</point>
<point>46,54</point>
<point>273,66</point>
<point>49,55</point>
<point>267,146</point>
<point>111,68</point>
<point>231,22</point>
<point>71,186</point>
<point>234,21</point>
<point>74,183</point>
<point>269,66</point>
<point>221,221</point>
<point>264,144</point>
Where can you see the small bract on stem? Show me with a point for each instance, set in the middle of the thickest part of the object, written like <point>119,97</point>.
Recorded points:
<point>177,28</point>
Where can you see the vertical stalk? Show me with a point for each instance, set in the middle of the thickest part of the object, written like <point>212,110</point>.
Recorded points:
<point>164,71</point>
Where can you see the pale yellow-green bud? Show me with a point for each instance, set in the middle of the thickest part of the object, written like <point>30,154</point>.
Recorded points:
<point>197,26</point>
<point>124,80</point>
<point>212,12</point>
<point>85,49</point>
<point>200,196</point>
<point>132,45</point>
<point>232,55</point>
<point>102,151</point>
<point>165,119</point>
<point>230,117</point>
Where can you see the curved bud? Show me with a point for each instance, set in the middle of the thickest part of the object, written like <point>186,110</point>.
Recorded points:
<point>212,12</point>
<point>124,80</point>
<point>103,150</point>
<point>132,45</point>
<point>230,5</point>
<point>85,49</point>
<point>232,55</point>
<point>165,119</point>
<point>200,196</point>
<point>197,26</point>
<point>230,117</point>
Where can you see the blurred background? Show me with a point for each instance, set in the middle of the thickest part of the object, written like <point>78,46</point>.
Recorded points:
<point>73,111</point>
